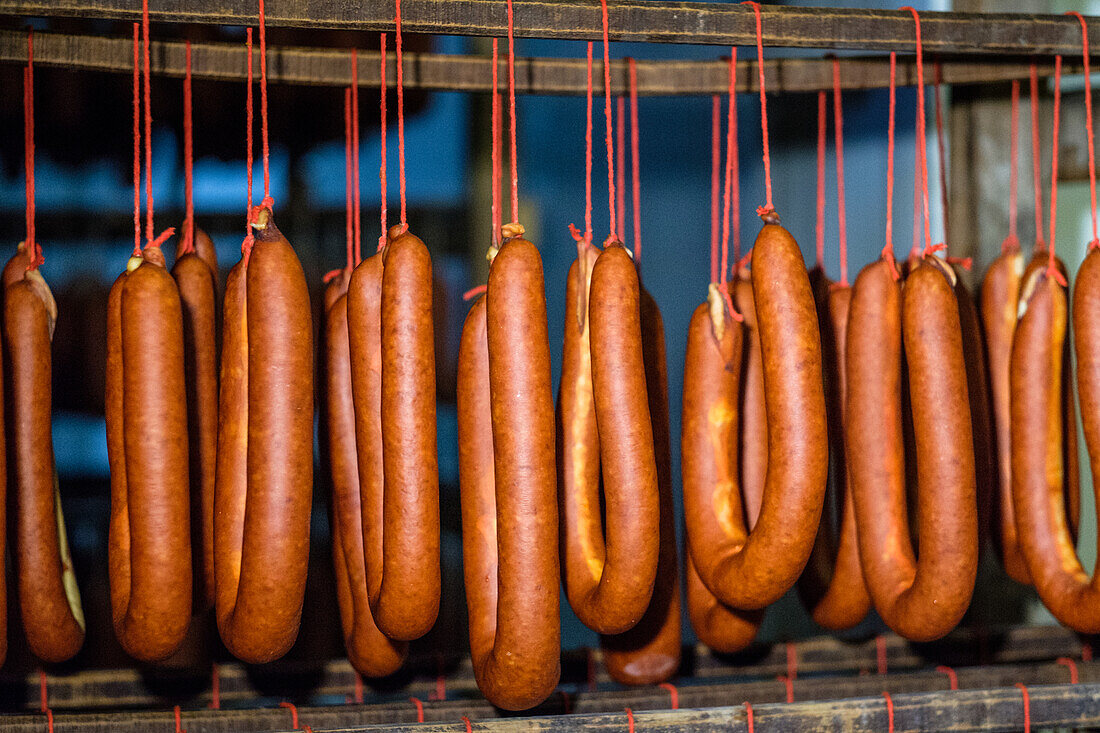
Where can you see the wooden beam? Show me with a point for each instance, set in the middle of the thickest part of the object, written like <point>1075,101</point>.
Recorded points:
<point>664,21</point>
<point>429,71</point>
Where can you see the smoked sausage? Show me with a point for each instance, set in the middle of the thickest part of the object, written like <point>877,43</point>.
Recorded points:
<point>49,599</point>
<point>506,472</point>
<point>921,599</point>
<point>605,424</point>
<point>753,431</point>
<point>752,570</point>
<point>265,449</point>
<point>149,549</point>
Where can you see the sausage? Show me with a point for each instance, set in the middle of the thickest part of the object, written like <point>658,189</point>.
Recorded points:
<point>1039,480</point>
<point>369,650</point>
<point>754,419</point>
<point>204,248</point>
<point>265,450</point>
<point>921,599</point>
<point>149,546</point>
<point>608,580</point>
<point>391,344</point>
<point>832,587</point>
<point>750,572</point>
<point>999,302</point>
<point>508,486</point>
<point>49,599</point>
<point>650,652</point>
<point>725,630</point>
<point>198,298</point>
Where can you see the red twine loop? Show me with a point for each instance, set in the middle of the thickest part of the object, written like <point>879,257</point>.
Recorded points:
<point>419,709</point>
<point>469,725</point>
<point>293,713</point>
<point>635,164</point>
<point>715,178</point>
<point>215,688</point>
<point>382,111</point>
<point>923,163</point>
<point>888,247</point>
<point>1012,241</point>
<point>838,124</point>
<point>819,221</point>
<point>358,687</point>
<point>1036,159</point>
<point>44,695</point>
<point>1088,123</point>
<point>512,114</point>
<point>629,720</point>
<point>1027,706</point>
<point>263,104</point>
<point>788,683</point>
<point>952,678</point>
<point>1071,666</point>
<point>246,245</point>
<point>1086,652</point>
<point>587,238</point>
<point>749,722</point>
<point>349,206</point>
<point>495,125</point>
<point>355,153</point>
<point>188,157</point>
<point>34,249</point>
<point>137,143</point>
<point>792,661</point>
<point>767,211</point>
<point>731,196</point>
<point>607,121</point>
<point>673,694</point>
<point>620,166</point>
<point>1052,269</point>
<point>179,721</point>
<point>889,712</point>
<point>880,653</point>
<point>941,143</point>
<point>400,112</point>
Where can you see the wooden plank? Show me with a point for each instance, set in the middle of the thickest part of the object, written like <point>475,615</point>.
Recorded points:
<point>662,21</point>
<point>437,72</point>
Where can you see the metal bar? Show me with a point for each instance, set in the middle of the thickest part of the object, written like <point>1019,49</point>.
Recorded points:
<point>439,72</point>
<point>727,24</point>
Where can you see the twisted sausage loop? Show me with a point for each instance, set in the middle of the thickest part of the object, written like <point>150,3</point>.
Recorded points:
<point>713,505</point>
<point>506,471</point>
<point>265,449</point>
<point>49,600</point>
<point>149,548</point>
<point>750,570</point>
<point>391,345</point>
<point>371,652</point>
<point>605,423</point>
<point>921,599</point>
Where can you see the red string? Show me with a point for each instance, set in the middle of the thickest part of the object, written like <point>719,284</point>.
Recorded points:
<point>290,706</point>
<point>629,720</point>
<point>673,694</point>
<point>880,653</point>
<point>588,151</point>
<point>349,206</point>
<point>358,687</point>
<point>731,193</point>
<point>400,115</point>
<point>1088,123</point>
<point>749,722</point>
<point>889,712</point>
<point>1052,269</point>
<point>635,163</point>
<point>497,221</point>
<point>512,114</point>
<point>620,166</point>
<point>788,683</point>
<point>469,726</point>
<point>767,210</point>
<point>263,104</point>
<point>188,156</point>
<point>937,79</point>
<point>248,126</point>
<point>419,709</point>
<point>137,145</point>
<point>33,248</point>
<point>888,247</point>
<point>715,177</point>
<point>838,124</point>
<point>607,120</point>
<point>355,152</point>
<point>952,678</point>
<point>792,661</point>
<point>819,228</point>
<point>1012,240</point>
<point>914,251</point>
<point>1027,706</point>
<point>179,722</point>
<point>382,120</point>
<point>1036,159</point>
<point>928,249</point>
<point>43,691</point>
<point>440,692</point>
<point>1071,666</point>
<point>1086,652</point>
<point>215,688</point>
<point>148,122</point>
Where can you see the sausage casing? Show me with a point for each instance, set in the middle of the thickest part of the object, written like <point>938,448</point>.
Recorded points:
<point>753,432</point>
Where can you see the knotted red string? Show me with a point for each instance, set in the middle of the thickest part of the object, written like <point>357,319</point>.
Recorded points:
<point>148,122</point>
<point>952,678</point>
<point>673,694</point>
<point>1071,666</point>
<point>635,164</point>
<point>766,211</point>
<point>921,127</point>
<point>889,712</point>
<point>731,193</point>
<point>512,114</point>
<point>607,122</point>
<point>263,104</point>
<point>188,157</point>
<point>400,115</point>
<point>137,143</point>
<point>1095,242</point>
<point>583,240</point>
<point>357,228</point>
<point>246,245</point>
<point>1027,706</point>
<point>1012,240</point>
<point>629,720</point>
<point>293,713</point>
<point>888,247</point>
<point>819,221</point>
<point>34,249</point>
<point>382,121</point>
<point>419,709</point>
<point>838,124</point>
<point>749,722</point>
<point>915,250</point>
<point>349,205</point>
<point>1036,158</point>
<point>497,218</point>
<point>941,144</point>
<point>1052,268</point>
<point>620,166</point>
<point>715,179</point>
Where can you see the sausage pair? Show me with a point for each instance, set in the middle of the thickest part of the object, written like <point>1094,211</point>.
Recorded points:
<point>391,348</point>
<point>264,471</point>
<point>506,472</point>
<point>49,600</point>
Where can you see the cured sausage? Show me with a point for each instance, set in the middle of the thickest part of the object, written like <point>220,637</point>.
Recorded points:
<point>832,586</point>
<point>754,419</point>
<point>714,511</point>
<point>921,599</point>
<point>605,424</point>
<point>204,248</point>
<point>1038,466</point>
<point>1000,297</point>
<point>391,344</point>
<point>265,449</point>
<point>198,297</point>
<point>752,570</point>
<point>49,600</point>
<point>506,471</point>
<point>369,650</point>
<point>149,550</point>
<point>650,652</point>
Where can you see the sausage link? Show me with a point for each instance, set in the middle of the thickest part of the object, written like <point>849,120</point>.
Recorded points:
<point>754,419</point>
<point>146,410</point>
<point>919,599</point>
<point>369,650</point>
<point>198,297</point>
<point>49,600</point>
<point>832,586</point>
<point>1039,480</point>
<point>608,580</point>
<point>265,450</point>
<point>509,517</point>
<point>204,249</point>
<point>650,652</point>
<point>757,570</point>
<point>999,303</point>
<point>725,630</point>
